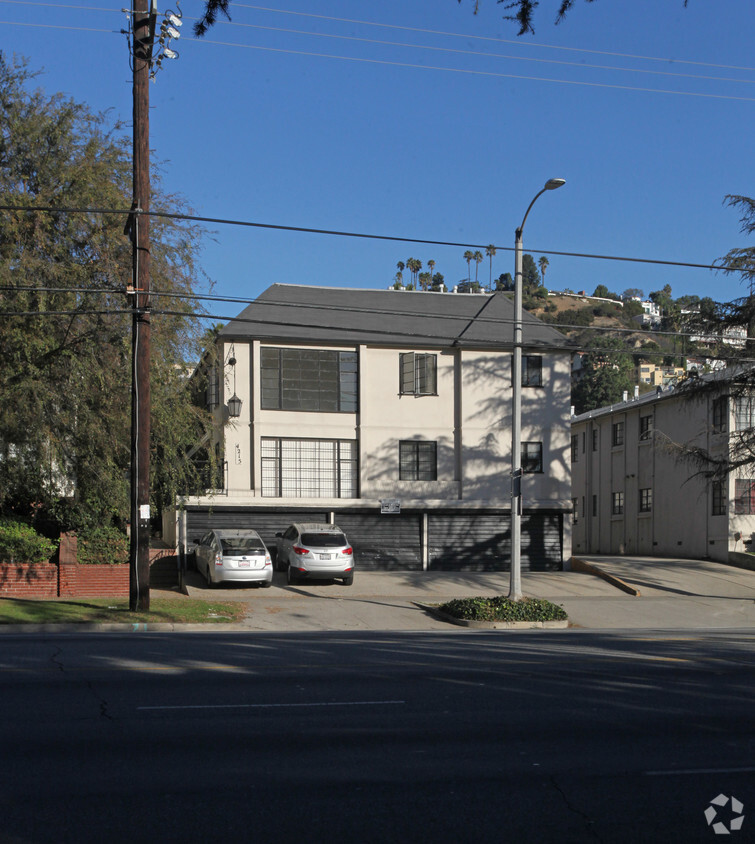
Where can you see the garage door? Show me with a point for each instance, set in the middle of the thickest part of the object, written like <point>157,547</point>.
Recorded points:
<point>384,542</point>
<point>482,542</point>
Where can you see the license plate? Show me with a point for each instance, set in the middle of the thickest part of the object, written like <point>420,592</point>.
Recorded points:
<point>244,564</point>
<point>325,556</point>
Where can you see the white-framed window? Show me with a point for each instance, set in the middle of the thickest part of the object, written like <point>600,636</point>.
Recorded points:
<point>315,380</point>
<point>309,468</point>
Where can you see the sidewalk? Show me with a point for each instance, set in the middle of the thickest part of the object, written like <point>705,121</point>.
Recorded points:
<point>673,594</point>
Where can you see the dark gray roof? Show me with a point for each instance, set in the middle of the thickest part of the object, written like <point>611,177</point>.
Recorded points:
<point>297,313</point>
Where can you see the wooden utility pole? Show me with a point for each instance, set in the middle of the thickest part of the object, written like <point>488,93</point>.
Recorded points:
<point>144,16</point>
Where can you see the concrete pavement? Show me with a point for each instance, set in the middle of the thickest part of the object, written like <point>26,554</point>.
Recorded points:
<point>663,594</point>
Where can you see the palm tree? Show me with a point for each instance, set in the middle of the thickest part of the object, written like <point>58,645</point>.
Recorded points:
<point>490,252</point>
<point>424,280</point>
<point>414,265</point>
<point>477,257</point>
<point>543,261</point>
<point>400,273</point>
<point>469,257</point>
<point>431,267</point>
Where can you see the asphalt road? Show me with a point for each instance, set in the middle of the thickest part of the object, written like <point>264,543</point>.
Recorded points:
<point>570,736</point>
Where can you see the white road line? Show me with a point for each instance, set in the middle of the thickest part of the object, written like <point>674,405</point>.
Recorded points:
<point>279,705</point>
<point>700,771</point>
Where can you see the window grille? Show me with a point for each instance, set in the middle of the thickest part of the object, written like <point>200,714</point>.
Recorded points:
<point>418,460</point>
<point>308,468</point>
<point>316,380</point>
<point>419,375</point>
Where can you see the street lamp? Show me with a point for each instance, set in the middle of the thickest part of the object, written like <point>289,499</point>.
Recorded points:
<point>515,589</point>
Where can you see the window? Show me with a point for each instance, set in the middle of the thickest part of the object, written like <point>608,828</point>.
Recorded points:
<point>532,457</point>
<point>646,427</point>
<point>617,433</point>
<point>418,374</point>
<point>744,412</point>
<point>532,371</point>
<point>595,505</point>
<point>575,513</point>
<point>418,460</point>
<point>308,379</point>
<point>718,498</point>
<point>744,498</point>
<point>719,413</point>
<point>617,503</point>
<point>308,468</point>
<point>646,500</point>
<point>574,448</point>
<point>594,439</point>
<point>213,387</point>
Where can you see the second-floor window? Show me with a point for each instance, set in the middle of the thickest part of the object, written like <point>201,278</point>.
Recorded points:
<point>574,448</point>
<point>419,376</point>
<point>744,412</point>
<point>646,500</point>
<point>316,380</point>
<point>718,498</point>
<point>646,427</point>
<point>532,371</point>
<point>532,457</point>
<point>744,497</point>
<point>718,413</point>
<point>617,433</point>
<point>418,460</point>
<point>617,503</point>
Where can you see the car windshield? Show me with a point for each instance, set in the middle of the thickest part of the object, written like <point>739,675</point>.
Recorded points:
<point>323,540</point>
<point>242,545</point>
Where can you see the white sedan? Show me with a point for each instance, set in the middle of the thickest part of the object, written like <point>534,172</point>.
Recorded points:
<point>233,556</point>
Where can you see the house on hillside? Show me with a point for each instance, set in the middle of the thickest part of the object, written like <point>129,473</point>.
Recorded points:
<point>388,413</point>
<point>636,493</point>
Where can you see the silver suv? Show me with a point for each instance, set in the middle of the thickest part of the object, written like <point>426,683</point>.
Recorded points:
<point>315,551</point>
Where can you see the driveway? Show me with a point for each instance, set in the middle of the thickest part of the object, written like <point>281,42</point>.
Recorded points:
<point>673,594</point>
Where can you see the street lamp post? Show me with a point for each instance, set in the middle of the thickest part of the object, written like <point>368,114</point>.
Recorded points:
<point>515,588</point>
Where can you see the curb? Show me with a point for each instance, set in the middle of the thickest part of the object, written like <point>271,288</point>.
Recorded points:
<point>589,568</point>
<point>492,625</point>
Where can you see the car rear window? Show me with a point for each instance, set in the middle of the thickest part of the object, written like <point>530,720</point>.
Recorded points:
<point>323,540</point>
<point>234,547</point>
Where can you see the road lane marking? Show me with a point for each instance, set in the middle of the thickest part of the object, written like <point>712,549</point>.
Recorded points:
<point>700,771</point>
<point>278,705</point>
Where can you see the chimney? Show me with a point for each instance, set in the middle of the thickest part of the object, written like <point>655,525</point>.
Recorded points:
<point>636,391</point>
<point>625,395</point>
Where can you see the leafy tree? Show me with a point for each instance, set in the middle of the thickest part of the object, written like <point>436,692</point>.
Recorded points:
<point>530,275</point>
<point>523,10</point>
<point>66,327</point>
<point>504,282</point>
<point>632,292</point>
<point>438,283</point>
<point>606,373</point>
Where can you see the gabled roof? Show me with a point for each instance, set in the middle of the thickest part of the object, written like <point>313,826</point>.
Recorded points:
<point>297,313</point>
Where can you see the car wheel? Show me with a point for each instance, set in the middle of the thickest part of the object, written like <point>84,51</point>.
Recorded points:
<point>210,584</point>
<point>348,580</point>
<point>290,576</point>
<point>280,563</point>
<point>266,584</point>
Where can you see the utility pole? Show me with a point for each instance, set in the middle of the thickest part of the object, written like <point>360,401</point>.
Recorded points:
<point>144,17</point>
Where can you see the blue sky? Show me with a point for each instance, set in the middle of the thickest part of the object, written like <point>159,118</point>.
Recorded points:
<point>418,119</point>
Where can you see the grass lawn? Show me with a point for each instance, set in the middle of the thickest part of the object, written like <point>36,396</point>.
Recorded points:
<point>114,610</point>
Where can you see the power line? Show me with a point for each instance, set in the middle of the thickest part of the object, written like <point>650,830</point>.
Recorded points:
<point>470,72</point>
<point>366,236</point>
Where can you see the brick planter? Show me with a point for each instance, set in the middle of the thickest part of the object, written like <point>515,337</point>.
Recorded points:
<point>94,581</point>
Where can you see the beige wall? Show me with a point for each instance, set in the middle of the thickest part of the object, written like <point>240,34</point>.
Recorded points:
<point>469,419</point>
<point>680,522</point>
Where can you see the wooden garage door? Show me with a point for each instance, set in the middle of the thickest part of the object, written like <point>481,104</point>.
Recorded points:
<point>384,542</point>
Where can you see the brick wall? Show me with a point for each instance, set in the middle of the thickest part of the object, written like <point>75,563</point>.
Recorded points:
<point>20,580</point>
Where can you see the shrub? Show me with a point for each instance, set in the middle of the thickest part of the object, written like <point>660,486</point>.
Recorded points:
<point>102,546</point>
<point>500,608</point>
<point>20,543</point>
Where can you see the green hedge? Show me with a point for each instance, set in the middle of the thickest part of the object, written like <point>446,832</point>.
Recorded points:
<point>503,609</point>
<point>102,546</point>
<point>20,543</point>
